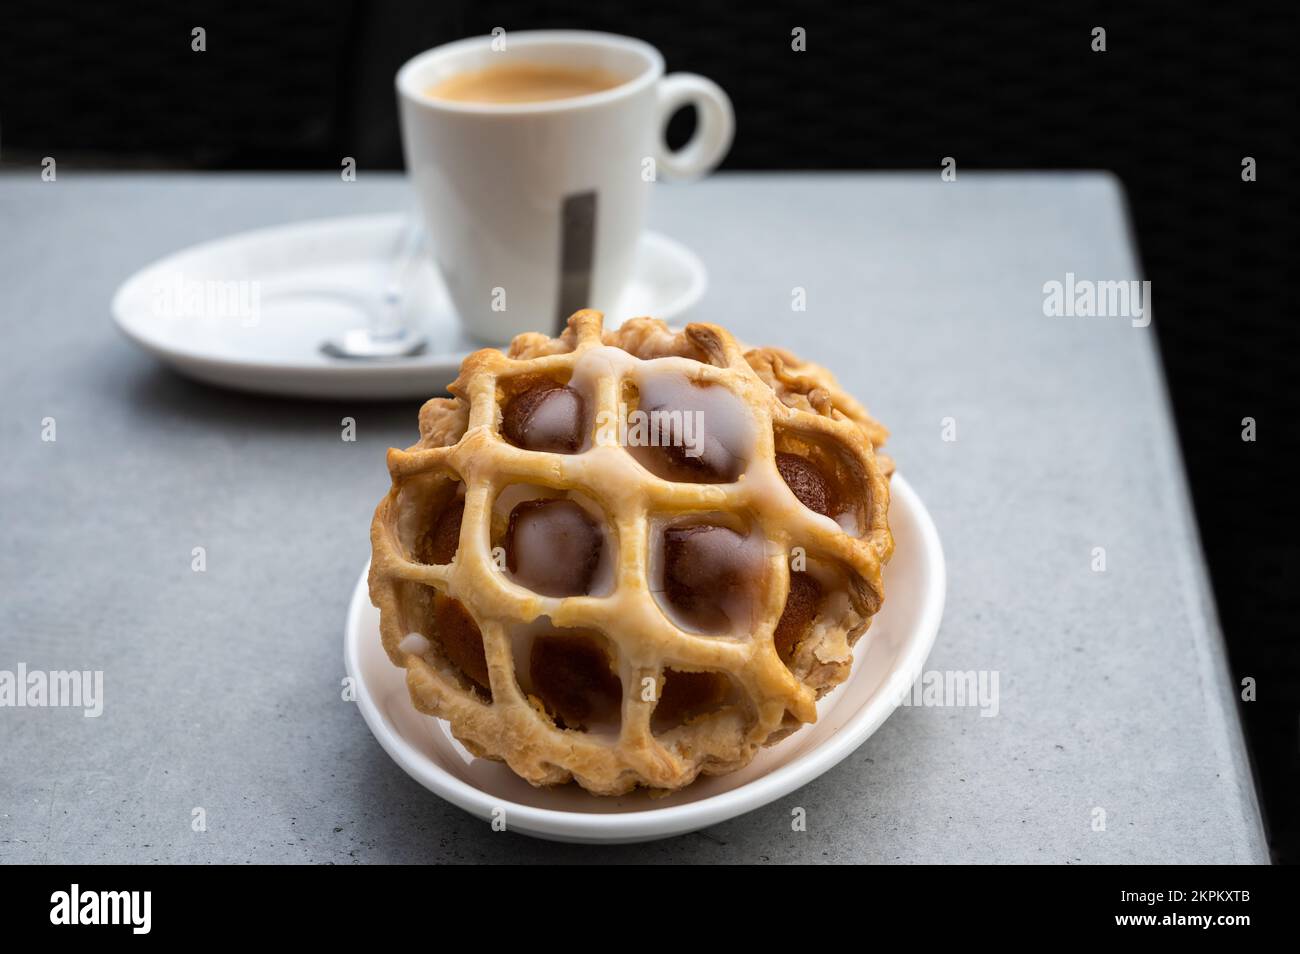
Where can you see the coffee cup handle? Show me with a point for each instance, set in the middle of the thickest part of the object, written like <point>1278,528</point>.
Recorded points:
<point>715,124</point>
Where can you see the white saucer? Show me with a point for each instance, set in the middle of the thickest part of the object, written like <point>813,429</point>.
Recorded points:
<point>888,659</point>
<point>303,275</point>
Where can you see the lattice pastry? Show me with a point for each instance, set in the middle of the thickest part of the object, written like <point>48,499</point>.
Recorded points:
<point>629,557</point>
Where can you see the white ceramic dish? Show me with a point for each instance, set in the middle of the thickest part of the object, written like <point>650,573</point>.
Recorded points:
<point>300,284</point>
<point>888,659</point>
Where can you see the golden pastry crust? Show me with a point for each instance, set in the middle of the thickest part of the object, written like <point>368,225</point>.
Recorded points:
<point>754,692</point>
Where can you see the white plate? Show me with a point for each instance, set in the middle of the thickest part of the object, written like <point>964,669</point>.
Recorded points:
<point>265,335</point>
<point>888,659</point>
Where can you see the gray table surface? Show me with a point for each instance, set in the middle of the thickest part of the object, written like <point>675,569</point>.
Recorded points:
<point>222,688</point>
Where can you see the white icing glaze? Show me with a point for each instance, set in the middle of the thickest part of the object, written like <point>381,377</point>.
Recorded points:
<point>603,577</point>
<point>710,422</point>
<point>414,644</point>
<point>740,609</point>
<point>551,421</point>
<point>522,637</point>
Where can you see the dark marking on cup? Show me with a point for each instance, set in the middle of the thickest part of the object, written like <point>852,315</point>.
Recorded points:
<point>577,254</point>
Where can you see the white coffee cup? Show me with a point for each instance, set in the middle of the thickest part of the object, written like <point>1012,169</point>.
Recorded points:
<point>534,209</point>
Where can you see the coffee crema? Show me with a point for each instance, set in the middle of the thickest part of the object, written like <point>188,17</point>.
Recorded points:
<point>523,83</point>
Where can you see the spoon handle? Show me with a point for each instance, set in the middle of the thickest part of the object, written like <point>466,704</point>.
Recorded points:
<point>386,320</point>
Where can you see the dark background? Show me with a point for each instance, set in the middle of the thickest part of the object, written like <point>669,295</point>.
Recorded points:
<point>1178,99</point>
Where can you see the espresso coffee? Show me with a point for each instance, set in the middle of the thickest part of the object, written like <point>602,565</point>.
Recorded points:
<point>523,83</point>
<point>525,163</point>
